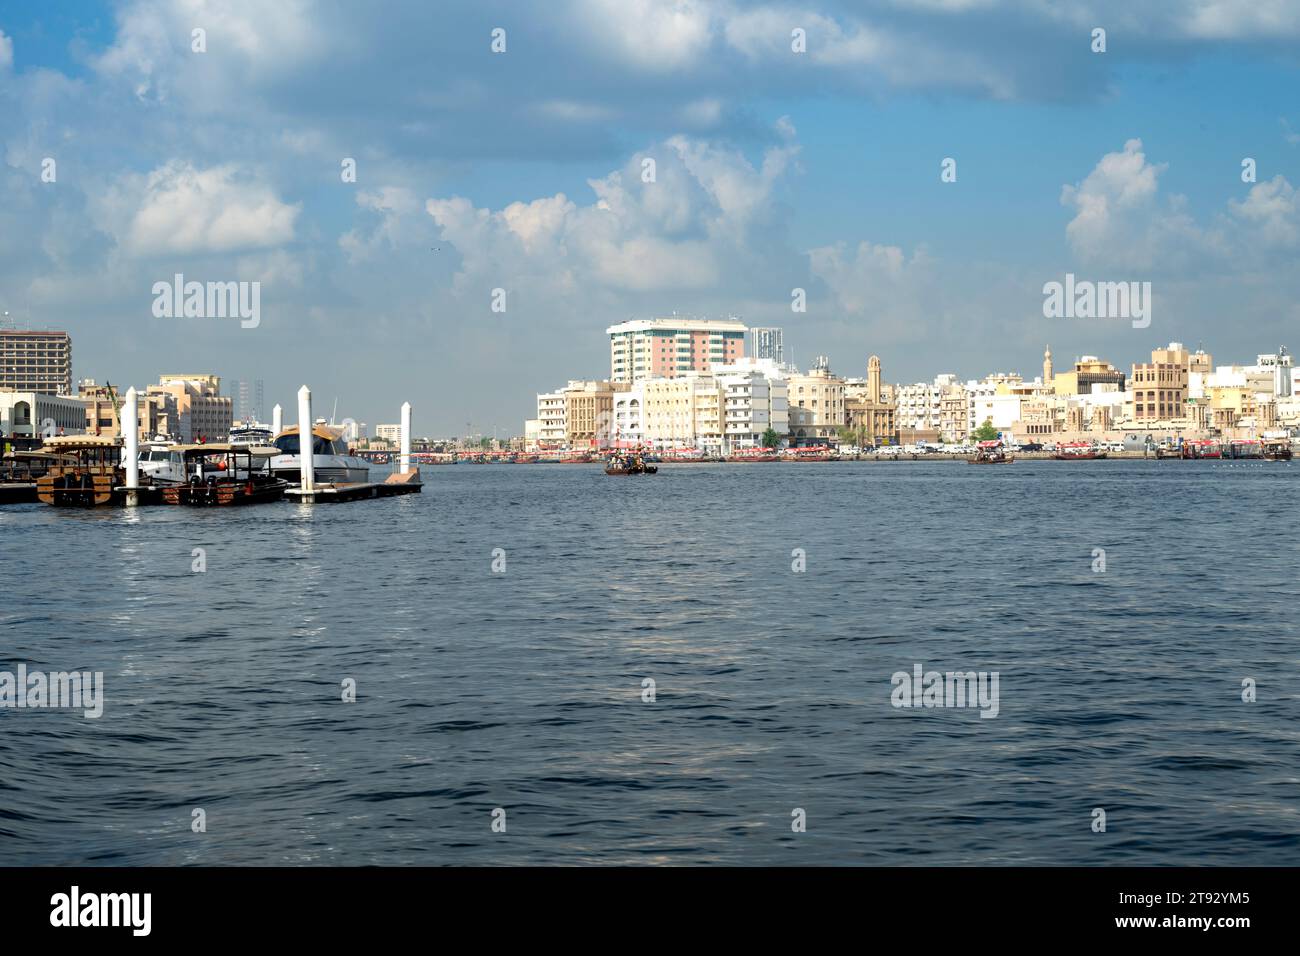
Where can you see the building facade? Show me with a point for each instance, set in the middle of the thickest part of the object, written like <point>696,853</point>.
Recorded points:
<point>39,362</point>
<point>672,346</point>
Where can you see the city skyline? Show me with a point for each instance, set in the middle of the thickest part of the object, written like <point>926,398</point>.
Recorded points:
<point>918,174</point>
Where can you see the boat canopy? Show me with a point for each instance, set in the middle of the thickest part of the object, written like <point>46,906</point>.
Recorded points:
<point>65,442</point>
<point>991,444</point>
<point>329,432</point>
<point>224,448</point>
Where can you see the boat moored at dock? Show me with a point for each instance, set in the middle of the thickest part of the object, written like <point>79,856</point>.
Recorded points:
<point>241,476</point>
<point>1078,451</point>
<point>332,461</point>
<point>84,471</point>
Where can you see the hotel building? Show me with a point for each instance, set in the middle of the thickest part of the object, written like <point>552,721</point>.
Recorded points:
<point>668,347</point>
<point>39,362</point>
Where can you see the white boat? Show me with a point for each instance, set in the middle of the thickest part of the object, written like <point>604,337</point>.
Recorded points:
<point>331,460</point>
<point>162,462</point>
<point>250,433</point>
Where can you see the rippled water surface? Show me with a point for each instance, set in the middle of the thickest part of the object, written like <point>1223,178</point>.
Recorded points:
<point>523,689</point>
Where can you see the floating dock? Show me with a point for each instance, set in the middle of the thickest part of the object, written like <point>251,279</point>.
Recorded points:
<point>17,492</point>
<point>397,484</point>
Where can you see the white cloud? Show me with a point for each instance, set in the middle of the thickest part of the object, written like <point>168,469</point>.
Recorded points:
<point>1272,210</point>
<point>245,39</point>
<point>655,35</point>
<point>1119,219</point>
<point>878,282</point>
<point>181,209</point>
<point>6,51</point>
<point>692,228</point>
<point>1239,19</point>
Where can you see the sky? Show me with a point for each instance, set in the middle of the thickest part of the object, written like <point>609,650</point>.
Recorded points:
<point>524,170</point>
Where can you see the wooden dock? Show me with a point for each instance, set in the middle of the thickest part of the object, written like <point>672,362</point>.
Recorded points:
<point>396,484</point>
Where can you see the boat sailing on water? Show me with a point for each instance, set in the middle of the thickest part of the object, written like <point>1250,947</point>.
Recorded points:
<point>990,453</point>
<point>1078,451</point>
<point>239,475</point>
<point>629,463</point>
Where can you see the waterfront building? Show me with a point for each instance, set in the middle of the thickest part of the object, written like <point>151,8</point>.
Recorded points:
<point>869,409</point>
<point>37,362</point>
<point>671,346</point>
<point>920,406</point>
<point>392,434</point>
<point>669,407</point>
<point>158,413</point>
<point>28,413</point>
<point>550,418</point>
<point>589,413</point>
<point>1160,387</point>
<point>202,411</point>
<point>1088,372</point>
<point>821,396</point>
<point>755,401</point>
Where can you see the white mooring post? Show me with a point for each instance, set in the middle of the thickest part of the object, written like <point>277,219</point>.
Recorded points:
<point>277,421</point>
<point>406,438</point>
<point>307,473</point>
<point>129,420</point>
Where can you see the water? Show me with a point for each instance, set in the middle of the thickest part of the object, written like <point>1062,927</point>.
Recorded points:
<point>522,690</point>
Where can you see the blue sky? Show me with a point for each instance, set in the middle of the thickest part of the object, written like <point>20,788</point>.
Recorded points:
<point>775,170</point>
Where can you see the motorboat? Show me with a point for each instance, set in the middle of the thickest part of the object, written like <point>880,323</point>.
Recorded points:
<point>162,462</point>
<point>241,476</point>
<point>332,460</point>
<point>990,453</point>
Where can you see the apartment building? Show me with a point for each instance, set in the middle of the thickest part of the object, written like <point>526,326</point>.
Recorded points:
<point>37,362</point>
<point>589,413</point>
<point>816,404</point>
<point>550,420</point>
<point>672,346</point>
<point>202,411</point>
<point>1088,372</point>
<point>754,402</point>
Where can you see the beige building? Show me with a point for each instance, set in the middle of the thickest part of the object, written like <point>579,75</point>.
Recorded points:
<point>589,413</point>
<point>869,409</point>
<point>30,414</point>
<point>1159,387</point>
<point>820,395</point>
<point>1087,372</point>
<point>202,412</point>
<point>157,412</point>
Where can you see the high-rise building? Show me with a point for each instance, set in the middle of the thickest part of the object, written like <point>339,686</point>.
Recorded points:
<point>39,362</point>
<point>767,343</point>
<point>667,347</point>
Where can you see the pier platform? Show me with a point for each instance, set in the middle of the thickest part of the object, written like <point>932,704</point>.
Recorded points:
<point>396,484</point>
<point>17,492</point>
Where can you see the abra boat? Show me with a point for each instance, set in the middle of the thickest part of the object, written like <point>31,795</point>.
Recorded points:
<point>1078,451</point>
<point>242,476</point>
<point>84,471</point>
<point>990,453</point>
<point>331,460</point>
<point>1277,449</point>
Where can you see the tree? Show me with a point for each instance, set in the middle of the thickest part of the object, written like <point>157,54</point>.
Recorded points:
<point>985,432</point>
<point>770,438</point>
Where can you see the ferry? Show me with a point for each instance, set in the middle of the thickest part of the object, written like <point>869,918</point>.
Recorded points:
<point>1205,448</point>
<point>241,477</point>
<point>1078,451</point>
<point>990,453</point>
<point>251,433</point>
<point>84,471</point>
<point>1277,449</point>
<point>332,461</point>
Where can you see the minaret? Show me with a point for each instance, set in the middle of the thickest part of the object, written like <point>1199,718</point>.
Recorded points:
<point>1047,367</point>
<point>873,379</point>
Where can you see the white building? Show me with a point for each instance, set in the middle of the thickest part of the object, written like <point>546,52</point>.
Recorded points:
<point>919,404</point>
<point>753,402</point>
<point>552,420</point>
<point>30,414</point>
